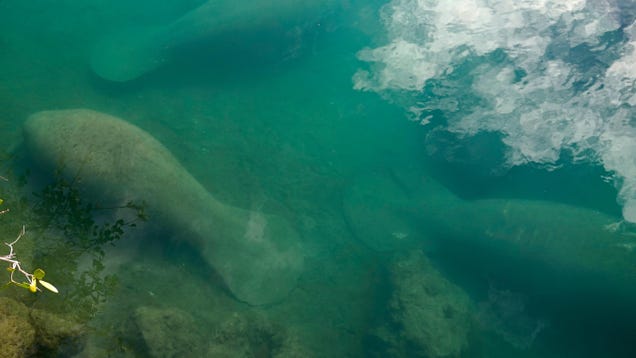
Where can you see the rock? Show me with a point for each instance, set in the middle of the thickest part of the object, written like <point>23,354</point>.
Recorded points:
<point>168,332</point>
<point>246,335</point>
<point>53,330</point>
<point>171,332</point>
<point>17,335</point>
<point>434,314</point>
<point>258,256</point>
<point>25,331</point>
<point>505,313</point>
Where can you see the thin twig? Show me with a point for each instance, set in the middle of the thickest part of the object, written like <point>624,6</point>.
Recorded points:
<point>13,261</point>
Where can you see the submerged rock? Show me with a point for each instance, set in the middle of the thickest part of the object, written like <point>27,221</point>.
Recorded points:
<point>17,335</point>
<point>25,331</point>
<point>435,315</point>
<point>247,335</point>
<point>505,313</point>
<point>168,332</point>
<point>258,256</point>
<point>53,330</point>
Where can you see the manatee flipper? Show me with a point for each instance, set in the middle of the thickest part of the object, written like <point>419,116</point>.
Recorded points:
<point>265,260</point>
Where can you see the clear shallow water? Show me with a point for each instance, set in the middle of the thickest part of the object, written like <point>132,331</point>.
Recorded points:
<point>540,113</point>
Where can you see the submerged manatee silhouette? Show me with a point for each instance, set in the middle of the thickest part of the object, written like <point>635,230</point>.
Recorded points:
<point>257,255</point>
<point>561,240</point>
<point>125,55</point>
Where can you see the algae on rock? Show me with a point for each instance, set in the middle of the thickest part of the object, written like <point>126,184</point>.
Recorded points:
<point>434,316</point>
<point>25,331</point>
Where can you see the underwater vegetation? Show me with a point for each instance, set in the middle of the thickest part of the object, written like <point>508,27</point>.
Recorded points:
<point>62,232</point>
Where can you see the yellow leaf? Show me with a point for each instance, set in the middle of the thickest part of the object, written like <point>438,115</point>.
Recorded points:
<point>48,286</point>
<point>32,286</point>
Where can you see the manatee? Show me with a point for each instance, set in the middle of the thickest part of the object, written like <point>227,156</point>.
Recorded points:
<point>128,54</point>
<point>500,232</point>
<point>257,255</point>
<point>381,214</point>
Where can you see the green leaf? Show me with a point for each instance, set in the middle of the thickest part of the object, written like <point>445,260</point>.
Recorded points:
<point>38,273</point>
<point>23,285</point>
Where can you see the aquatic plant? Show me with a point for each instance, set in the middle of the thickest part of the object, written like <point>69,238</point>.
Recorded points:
<point>32,279</point>
<point>72,235</point>
<point>68,233</point>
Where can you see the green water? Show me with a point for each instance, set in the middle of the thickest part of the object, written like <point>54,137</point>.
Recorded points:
<point>284,131</point>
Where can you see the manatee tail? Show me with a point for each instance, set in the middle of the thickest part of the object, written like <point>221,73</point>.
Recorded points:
<point>258,256</point>
<point>127,55</point>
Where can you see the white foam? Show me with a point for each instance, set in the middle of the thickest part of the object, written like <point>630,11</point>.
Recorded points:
<point>538,96</point>
<point>428,37</point>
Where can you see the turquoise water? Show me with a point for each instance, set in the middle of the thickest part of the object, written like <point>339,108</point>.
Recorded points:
<point>457,178</point>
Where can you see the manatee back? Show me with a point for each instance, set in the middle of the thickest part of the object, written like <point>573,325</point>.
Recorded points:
<point>110,156</point>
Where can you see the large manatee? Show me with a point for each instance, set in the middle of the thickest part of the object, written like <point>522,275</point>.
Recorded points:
<point>548,242</point>
<point>128,54</point>
<point>257,255</point>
